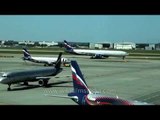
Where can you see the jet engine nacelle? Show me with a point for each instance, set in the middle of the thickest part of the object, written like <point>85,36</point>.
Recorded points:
<point>43,82</point>
<point>97,56</point>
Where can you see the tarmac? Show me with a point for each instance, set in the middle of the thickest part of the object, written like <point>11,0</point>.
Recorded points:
<point>131,79</point>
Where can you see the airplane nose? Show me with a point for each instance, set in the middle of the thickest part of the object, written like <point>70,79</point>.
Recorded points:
<point>1,79</point>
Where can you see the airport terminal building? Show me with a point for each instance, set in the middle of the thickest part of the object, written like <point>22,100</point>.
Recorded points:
<point>125,45</point>
<point>83,45</point>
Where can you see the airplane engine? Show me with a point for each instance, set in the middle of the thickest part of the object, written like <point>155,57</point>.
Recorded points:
<point>97,56</point>
<point>43,82</point>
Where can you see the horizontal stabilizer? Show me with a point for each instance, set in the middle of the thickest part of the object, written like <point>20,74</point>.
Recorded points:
<point>60,96</point>
<point>66,76</point>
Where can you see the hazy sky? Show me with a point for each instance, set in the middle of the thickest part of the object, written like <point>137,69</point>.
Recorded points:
<point>81,28</point>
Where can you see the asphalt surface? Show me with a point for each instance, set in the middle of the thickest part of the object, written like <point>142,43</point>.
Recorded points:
<point>132,79</point>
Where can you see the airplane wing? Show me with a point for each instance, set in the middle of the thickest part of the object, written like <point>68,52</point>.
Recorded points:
<point>47,78</point>
<point>60,96</point>
<point>66,76</point>
<point>44,78</point>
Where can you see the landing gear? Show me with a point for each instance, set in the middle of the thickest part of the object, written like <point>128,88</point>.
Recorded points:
<point>92,57</point>
<point>45,64</point>
<point>123,57</point>
<point>43,83</point>
<point>97,57</point>
<point>48,64</point>
<point>25,83</point>
<point>9,87</point>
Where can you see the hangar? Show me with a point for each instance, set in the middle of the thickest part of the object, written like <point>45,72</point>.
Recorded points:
<point>125,45</point>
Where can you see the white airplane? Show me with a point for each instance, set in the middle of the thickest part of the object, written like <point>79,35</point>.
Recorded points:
<point>41,75</point>
<point>94,53</point>
<point>48,61</point>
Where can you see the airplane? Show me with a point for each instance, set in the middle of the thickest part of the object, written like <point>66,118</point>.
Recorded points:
<point>83,96</point>
<point>97,54</point>
<point>42,75</point>
<point>46,60</point>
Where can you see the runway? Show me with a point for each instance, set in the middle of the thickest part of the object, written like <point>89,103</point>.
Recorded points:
<point>132,79</point>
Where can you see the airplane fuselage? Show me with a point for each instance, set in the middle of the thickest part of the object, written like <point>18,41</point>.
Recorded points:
<point>94,99</point>
<point>101,52</point>
<point>104,53</point>
<point>104,100</point>
<point>28,75</point>
<point>46,60</point>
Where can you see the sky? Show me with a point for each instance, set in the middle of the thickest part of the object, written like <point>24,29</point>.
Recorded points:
<point>81,28</point>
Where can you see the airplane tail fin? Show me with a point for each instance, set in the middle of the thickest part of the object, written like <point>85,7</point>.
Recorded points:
<point>58,62</point>
<point>68,48</point>
<point>79,82</point>
<point>26,54</point>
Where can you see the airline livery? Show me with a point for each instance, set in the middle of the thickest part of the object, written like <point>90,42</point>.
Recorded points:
<point>94,53</point>
<point>41,75</point>
<point>83,96</point>
<point>48,61</point>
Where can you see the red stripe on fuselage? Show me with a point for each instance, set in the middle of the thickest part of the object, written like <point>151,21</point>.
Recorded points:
<point>78,81</point>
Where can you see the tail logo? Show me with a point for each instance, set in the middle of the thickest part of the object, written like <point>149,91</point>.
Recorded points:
<point>77,79</point>
<point>26,53</point>
<point>66,45</point>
